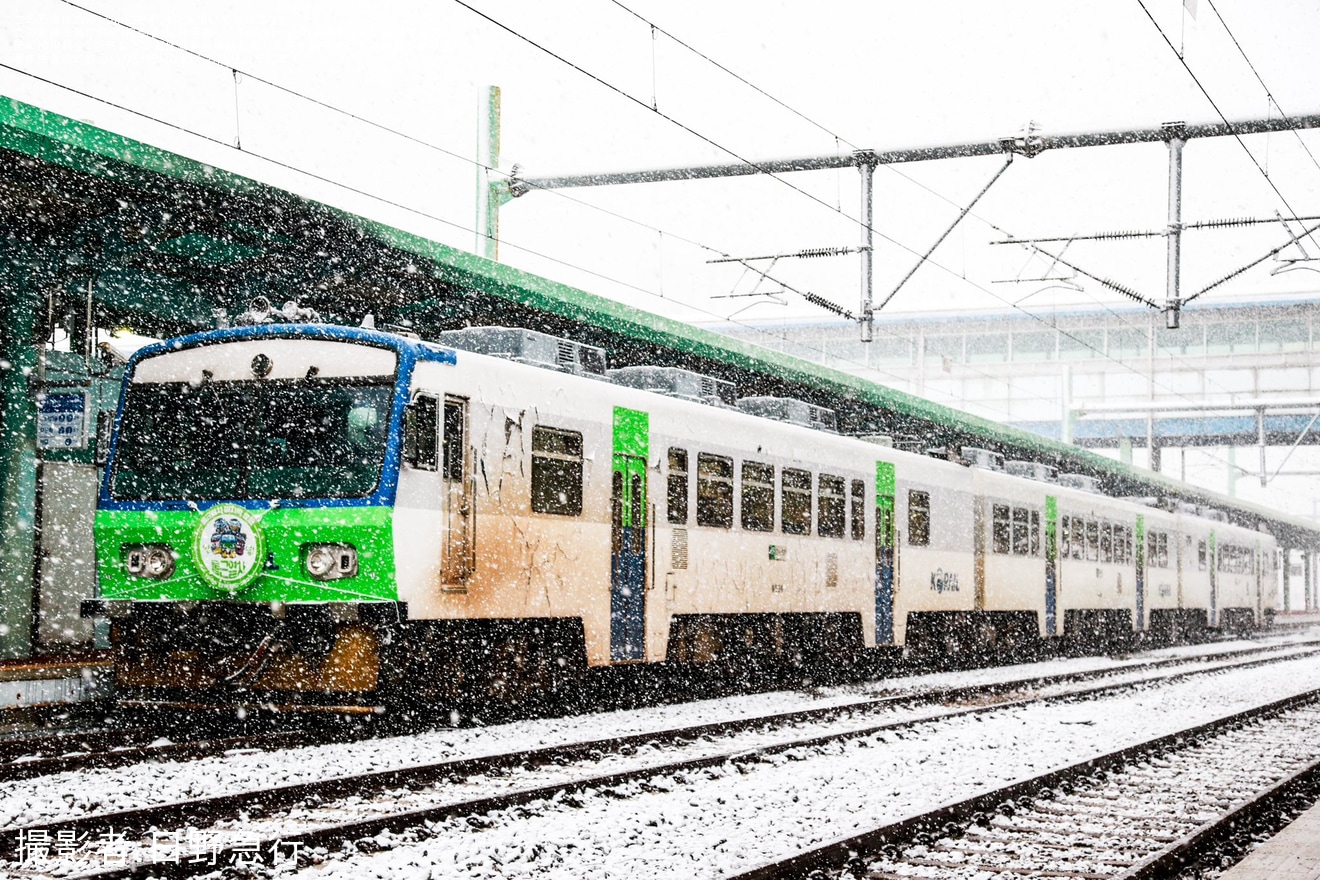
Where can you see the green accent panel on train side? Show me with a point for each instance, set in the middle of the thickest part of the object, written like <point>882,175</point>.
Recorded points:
<point>369,529</point>
<point>884,479</point>
<point>1051,527</point>
<point>632,432</point>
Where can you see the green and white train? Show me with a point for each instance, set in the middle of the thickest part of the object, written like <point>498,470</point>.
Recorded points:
<point>320,516</point>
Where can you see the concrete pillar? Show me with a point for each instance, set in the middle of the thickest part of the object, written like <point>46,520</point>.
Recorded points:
<point>1309,579</point>
<point>1286,555</point>
<point>18,436</point>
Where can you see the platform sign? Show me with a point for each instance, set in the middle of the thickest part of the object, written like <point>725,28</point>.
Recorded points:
<point>62,419</point>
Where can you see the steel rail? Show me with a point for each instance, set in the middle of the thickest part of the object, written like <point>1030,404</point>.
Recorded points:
<point>137,823</point>
<point>116,756</point>
<point>27,757</point>
<point>854,850</point>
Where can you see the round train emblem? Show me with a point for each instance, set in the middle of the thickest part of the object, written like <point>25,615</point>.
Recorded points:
<point>228,547</point>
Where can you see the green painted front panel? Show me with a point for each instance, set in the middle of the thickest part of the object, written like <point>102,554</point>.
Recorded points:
<point>369,529</point>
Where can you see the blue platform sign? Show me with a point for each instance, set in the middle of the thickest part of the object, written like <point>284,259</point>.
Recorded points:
<point>62,420</point>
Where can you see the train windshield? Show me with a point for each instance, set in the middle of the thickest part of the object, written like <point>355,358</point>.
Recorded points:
<point>251,440</point>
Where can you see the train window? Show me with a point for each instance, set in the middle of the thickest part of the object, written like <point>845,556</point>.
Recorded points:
<point>1078,538</point>
<point>556,471</point>
<point>1106,542</point>
<point>1157,550</point>
<point>1000,528</point>
<point>831,523</point>
<point>1065,538</point>
<point>714,490</point>
<point>795,503</point>
<point>678,486</point>
<point>1235,560</point>
<point>1035,533</point>
<point>1200,555</point>
<point>918,518</point>
<point>858,511</point>
<point>420,432</point>
<point>1021,532</point>
<point>455,426</point>
<point>638,514</point>
<point>758,496</point>
<point>1092,541</point>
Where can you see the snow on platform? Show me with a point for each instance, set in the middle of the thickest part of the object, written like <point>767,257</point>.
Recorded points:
<point>1292,854</point>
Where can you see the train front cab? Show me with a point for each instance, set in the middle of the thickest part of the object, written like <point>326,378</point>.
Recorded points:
<point>245,527</point>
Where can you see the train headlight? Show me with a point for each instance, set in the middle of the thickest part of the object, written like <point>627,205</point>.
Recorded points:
<point>330,562</point>
<point>154,561</point>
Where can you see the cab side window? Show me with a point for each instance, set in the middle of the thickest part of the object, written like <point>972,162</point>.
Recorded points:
<point>420,433</point>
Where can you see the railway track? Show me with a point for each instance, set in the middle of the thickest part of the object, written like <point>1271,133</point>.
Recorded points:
<point>1140,813</point>
<point>407,800</point>
<point>30,757</point>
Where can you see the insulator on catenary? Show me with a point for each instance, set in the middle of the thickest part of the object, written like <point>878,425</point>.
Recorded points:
<point>824,252</point>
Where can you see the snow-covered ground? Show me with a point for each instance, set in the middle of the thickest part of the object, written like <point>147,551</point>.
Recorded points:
<point>84,792</point>
<point>733,819</point>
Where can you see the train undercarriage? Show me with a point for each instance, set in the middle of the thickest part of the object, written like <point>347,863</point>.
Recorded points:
<point>368,659</point>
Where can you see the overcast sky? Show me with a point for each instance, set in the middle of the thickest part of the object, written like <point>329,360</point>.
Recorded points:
<point>849,75</point>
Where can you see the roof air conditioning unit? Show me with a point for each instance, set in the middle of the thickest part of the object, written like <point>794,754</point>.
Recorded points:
<point>795,412</point>
<point>529,347</point>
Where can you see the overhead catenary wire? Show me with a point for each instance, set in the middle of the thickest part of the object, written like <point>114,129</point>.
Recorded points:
<point>1268,93</point>
<point>632,98</point>
<point>896,377</point>
<point>593,273</point>
<point>1236,135</point>
<point>751,85</point>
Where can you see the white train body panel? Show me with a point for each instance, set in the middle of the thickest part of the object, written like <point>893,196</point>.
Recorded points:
<point>523,564</point>
<point>1168,572</point>
<point>940,574</point>
<point>1012,535</point>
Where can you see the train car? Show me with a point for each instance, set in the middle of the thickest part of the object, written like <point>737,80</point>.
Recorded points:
<point>1242,578</point>
<point>329,517</point>
<point>1171,598</point>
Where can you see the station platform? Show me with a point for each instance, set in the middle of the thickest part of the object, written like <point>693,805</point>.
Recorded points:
<point>39,683</point>
<point>1296,618</point>
<point>1292,854</point>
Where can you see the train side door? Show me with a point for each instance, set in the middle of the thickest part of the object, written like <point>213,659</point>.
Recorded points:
<point>460,517</point>
<point>1214,582</point>
<point>1259,569</point>
<point>1141,572</point>
<point>628,536</point>
<point>884,553</point>
<point>1051,565</point>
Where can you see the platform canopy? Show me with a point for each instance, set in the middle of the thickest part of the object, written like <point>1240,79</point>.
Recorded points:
<point>105,231</point>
